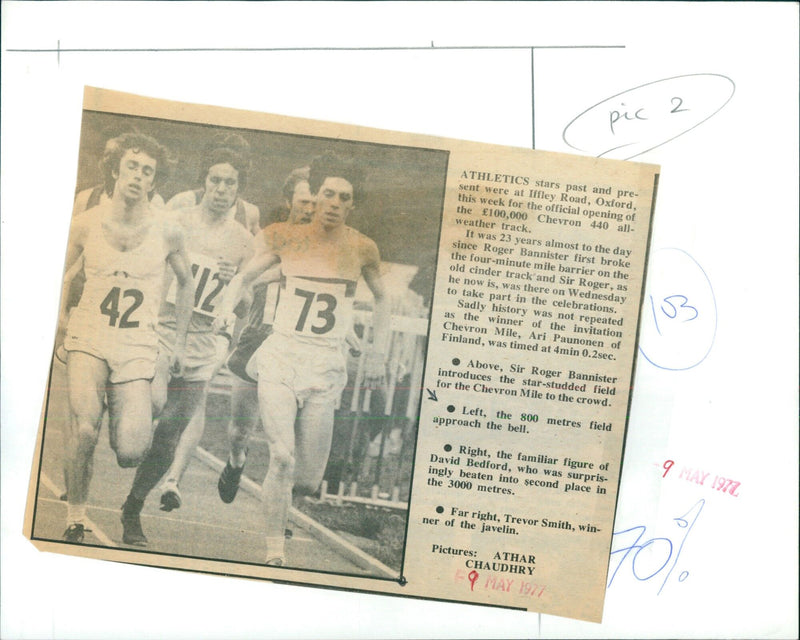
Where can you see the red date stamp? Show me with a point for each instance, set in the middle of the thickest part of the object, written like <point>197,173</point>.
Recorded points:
<point>698,476</point>
<point>495,582</point>
<point>531,589</point>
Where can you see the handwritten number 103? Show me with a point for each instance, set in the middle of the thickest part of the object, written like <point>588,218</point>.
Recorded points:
<point>672,311</point>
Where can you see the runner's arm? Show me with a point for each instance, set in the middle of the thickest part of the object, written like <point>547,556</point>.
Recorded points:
<point>261,246</point>
<point>375,366</point>
<point>81,202</point>
<point>253,218</point>
<point>228,268</point>
<point>239,284</point>
<point>273,274</point>
<point>248,251</point>
<point>184,297</point>
<point>247,254</point>
<point>74,263</point>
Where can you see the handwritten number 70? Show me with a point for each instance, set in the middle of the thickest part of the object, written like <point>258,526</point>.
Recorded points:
<point>632,550</point>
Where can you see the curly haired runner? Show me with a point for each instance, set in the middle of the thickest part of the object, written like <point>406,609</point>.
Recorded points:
<point>266,290</point>
<point>245,213</point>
<point>301,365</point>
<point>111,340</point>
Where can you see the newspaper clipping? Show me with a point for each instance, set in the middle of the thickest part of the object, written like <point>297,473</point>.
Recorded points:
<point>325,354</point>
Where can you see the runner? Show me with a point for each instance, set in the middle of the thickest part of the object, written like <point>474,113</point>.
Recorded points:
<point>301,365</point>
<point>111,342</point>
<point>90,198</point>
<point>101,193</point>
<point>244,398</point>
<point>217,247</point>
<point>193,433</point>
<point>245,213</point>
<point>84,201</point>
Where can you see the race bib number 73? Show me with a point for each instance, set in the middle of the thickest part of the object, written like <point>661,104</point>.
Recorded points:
<point>313,308</point>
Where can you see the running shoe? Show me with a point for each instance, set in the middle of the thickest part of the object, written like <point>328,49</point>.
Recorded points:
<point>228,484</point>
<point>132,525</point>
<point>74,533</point>
<point>278,561</point>
<point>170,496</point>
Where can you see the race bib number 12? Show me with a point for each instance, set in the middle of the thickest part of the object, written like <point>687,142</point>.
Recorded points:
<point>208,287</point>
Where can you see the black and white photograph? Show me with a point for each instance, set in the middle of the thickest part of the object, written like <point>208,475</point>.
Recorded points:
<point>241,343</point>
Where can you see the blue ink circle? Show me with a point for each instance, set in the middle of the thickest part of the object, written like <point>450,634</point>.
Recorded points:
<point>649,311</point>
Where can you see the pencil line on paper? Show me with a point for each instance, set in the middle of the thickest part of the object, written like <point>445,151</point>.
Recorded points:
<point>533,107</point>
<point>59,50</point>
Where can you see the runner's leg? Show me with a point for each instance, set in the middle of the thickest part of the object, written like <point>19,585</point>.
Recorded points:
<point>313,444</point>
<point>187,443</point>
<point>278,408</point>
<point>158,387</point>
<point>130,421</point>
<point>193,432</point>
<point>244,418</point>
<point>86,386</point>
<point>183,398</point>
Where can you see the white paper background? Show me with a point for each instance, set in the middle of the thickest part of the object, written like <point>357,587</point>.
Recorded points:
<point>728,197</point>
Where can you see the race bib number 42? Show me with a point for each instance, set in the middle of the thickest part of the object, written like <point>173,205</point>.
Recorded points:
<point>208,287</point>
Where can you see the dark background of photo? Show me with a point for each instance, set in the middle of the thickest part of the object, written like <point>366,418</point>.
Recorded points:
<point>403,186</point>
